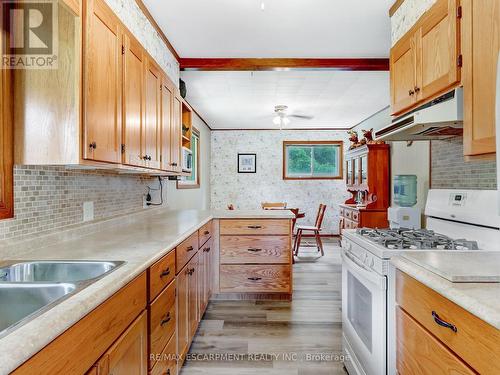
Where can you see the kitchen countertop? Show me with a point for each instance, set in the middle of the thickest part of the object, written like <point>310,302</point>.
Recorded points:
<point>139,239</point>
<point>480,299</point>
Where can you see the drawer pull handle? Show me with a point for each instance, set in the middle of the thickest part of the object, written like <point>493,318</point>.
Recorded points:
<point>255,278</point>
<point>206,249</point>
<point>165,272</point>
<point>190,248</point>
<point>254,250</point>
<point>206,233</point>
<point>442,323</point>
<point>254,227</point>
<point>166,319</point>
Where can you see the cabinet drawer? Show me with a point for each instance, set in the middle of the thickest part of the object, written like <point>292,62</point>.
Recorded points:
<point>349,224</point>
<point>355,216</point>
<point>342,211</point>
<point>418,352</point>
<point>161,274</point>
<point>475,341</point>
<point>205,233</point>
<point>348,214</point>
<point>162,320</point>
<point>186,250</point>
<point>255,278</point>
<point>167,363</point>
<point>257,226</point>
<point>255,249</point>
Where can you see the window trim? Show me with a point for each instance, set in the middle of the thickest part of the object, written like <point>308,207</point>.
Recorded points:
<point>311,143</point>
<point>197,184</point>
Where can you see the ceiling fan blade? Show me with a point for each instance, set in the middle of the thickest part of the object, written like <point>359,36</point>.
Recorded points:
<point>304,117</point>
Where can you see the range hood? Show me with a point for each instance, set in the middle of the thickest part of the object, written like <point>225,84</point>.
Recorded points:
<point>439,119</point>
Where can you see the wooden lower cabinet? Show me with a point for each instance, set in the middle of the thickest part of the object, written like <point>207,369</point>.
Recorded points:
<point>419,352</point>
<point>167,361</point>
<point>472,341</point>
<point>205,266</point>
<point>128,355</point>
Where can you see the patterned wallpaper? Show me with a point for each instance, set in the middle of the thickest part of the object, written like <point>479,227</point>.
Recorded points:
<point>406,16</point>
<point>131,15</point>
<point>450,171</point>
<point>247,191</point>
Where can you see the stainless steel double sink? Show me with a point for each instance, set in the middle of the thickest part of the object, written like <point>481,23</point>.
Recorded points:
<point>27,289</point>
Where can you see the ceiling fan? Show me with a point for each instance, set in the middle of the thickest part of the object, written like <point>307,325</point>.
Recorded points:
<point>282,118</point>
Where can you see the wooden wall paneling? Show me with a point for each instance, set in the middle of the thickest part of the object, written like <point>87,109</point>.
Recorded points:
<point>102,115</point>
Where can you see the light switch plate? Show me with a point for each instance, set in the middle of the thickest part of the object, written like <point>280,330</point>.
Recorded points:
<point>88,211</point>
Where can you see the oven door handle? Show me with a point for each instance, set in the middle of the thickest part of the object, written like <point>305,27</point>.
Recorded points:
<point>364,272</point>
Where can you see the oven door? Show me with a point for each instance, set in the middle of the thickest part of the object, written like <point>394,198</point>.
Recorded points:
<point>364,317</point>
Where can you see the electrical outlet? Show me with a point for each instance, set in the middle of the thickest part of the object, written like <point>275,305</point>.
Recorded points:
<point>88,211</point>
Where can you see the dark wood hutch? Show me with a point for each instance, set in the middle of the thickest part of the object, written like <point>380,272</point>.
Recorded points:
<point>368,180</point>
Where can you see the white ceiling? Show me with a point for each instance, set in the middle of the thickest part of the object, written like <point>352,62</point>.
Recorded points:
<point>246,100</point>
<point>286,28</point>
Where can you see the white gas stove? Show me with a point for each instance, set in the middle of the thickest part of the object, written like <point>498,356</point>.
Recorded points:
<point>457,221</point>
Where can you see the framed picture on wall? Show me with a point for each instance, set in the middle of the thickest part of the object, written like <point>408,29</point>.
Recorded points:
<point>247,163</point>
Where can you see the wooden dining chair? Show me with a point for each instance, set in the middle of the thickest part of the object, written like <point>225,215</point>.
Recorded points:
<point>273,206</point>
<point>316,229</point>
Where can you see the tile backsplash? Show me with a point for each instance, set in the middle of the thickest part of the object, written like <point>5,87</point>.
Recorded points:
<point>47,198</point>
<point>449,170</point>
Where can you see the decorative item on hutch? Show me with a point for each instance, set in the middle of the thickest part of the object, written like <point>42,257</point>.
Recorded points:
<point>368,181</point>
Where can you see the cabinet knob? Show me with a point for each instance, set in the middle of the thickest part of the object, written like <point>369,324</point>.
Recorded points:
<point>190,248</point>
<point>173,164</point>
<point>411,92</point>
<point>417,89</point>
<point>206,249</point>
<point>93,145</point>
<point>206,233</point>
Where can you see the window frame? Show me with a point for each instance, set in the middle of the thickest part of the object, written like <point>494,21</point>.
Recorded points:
<point>196,183</point>
<point>340,144</point>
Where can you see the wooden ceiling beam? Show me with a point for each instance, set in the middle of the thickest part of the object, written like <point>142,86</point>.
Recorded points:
<point>253,64</point>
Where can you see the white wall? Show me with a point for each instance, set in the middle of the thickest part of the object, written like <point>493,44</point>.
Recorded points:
<point>248,191</point>
<point>194,198</point>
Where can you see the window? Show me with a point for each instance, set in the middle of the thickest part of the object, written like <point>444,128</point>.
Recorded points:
<point>193,180</point>
<point>312,160</point>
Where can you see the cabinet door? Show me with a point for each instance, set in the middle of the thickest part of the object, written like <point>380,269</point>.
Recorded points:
<point>152,115</point>
<point>205,277</point>
<point>403,74</point>
<point>193,312</point>
<point>364,169</point>
<point>480,46</point>
<point>176,135</point>
<point>167,99</point>
<point>102,84</point>
<point>133,102</point>
<point>438,50</point>
<point>182,311</point>
<point>6,140</point>
<point>128,355</point>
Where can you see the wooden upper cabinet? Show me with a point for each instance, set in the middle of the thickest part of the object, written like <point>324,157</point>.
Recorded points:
<point>102,121</point>
<point>403,62</point>
<point>437,42</point>
<point>6,141</point>
<point>167,98</point>
<point>480,45</point>
<point>133,101</point>
<point>425,61</point>
<point>152,121</point>
<point>176,134</point>
<point>128,355</point>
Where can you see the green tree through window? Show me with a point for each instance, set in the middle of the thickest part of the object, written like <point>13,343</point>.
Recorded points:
<point>308,160</point>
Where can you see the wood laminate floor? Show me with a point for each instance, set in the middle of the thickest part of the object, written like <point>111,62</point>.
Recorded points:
<point>302,337</point>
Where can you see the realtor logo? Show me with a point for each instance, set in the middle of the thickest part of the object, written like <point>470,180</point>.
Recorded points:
<point>29,34</point>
